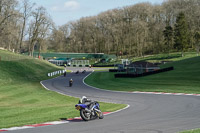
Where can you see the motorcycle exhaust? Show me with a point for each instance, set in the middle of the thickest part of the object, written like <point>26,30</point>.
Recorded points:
<point>87,110</point>
<point>99,111</point>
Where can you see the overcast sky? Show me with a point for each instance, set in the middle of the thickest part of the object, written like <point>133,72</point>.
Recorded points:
<point>63,11</point>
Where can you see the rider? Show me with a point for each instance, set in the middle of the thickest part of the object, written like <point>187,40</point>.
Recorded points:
<point>86,101</point>
<point>70,82</point>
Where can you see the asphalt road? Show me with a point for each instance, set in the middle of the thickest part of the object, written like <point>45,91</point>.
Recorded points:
<point>148,113</point>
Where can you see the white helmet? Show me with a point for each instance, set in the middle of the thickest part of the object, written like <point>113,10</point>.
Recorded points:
<point>81,99</point>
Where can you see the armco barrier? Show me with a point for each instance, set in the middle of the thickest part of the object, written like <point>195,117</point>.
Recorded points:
<point>124,75</point>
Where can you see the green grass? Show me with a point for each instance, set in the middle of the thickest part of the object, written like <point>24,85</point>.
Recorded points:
<point>184,79</point>
<point>24,101</point>
<point>192,131</point>
<point>177,56</point>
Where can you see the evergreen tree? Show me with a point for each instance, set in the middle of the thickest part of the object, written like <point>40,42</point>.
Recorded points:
<point>197,41</point>
<point>181,33</point>
<point>168,34</point>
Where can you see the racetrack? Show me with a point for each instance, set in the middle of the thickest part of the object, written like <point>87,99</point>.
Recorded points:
<point>148,113</point>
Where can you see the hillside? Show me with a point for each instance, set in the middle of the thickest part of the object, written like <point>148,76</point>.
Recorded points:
<point>15,67</point>
<point>20,91</point>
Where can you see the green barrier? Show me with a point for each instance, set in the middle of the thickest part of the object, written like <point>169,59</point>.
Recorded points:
<point>74,55</point>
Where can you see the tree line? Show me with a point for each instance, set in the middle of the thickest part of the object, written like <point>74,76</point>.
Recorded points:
<point>136,30</point>
<point>23,26</point>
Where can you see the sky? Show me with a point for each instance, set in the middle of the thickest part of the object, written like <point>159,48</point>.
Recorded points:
<point>64,11</point>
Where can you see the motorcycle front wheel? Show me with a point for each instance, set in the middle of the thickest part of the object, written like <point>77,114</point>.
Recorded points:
<point>85,115</point>
<point>101,116</point>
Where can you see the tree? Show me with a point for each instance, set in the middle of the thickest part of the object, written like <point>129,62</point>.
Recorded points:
<point>181,33</point>
<point>168,34</point>
<point>38,28</point>
<point>26,13</point>
<point>8,24</point>
<point>57,40</point>
<point>197,41</point>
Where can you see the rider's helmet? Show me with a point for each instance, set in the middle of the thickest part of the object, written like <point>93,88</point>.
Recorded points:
<point>82,99</point>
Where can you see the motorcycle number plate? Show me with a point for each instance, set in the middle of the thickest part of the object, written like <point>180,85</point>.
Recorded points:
<point>78,107</point>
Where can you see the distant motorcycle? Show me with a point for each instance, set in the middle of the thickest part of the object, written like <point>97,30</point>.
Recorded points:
<point>77,72</point>
<point>84,71</point>
<point>89,110</point>
<point>65,74</point>
<point>70,83</point>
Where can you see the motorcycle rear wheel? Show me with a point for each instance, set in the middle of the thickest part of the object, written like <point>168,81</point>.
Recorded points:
<point>84,115</point>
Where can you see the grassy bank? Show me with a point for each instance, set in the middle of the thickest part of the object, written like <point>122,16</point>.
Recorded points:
<point>192,131</point>
<point>24,101</point>
<point>184,79</point>
<point>177,56</point>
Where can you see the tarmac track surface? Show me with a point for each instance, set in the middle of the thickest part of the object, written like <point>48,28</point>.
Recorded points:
<point>148,113</point>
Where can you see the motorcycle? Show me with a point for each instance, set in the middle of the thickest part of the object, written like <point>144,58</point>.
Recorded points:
<point>70,82</point>
<point>65,74</point>
<point>89,114</point>
<point>77,72</point>
<point>84,71</point>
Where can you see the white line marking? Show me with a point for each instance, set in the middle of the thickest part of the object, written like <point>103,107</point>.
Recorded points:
<point>119,110</point>
<point>16,128</point>
<point>57,122</point>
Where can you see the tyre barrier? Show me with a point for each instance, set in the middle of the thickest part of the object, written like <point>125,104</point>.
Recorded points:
<point>116,70</point>
<point>56,73</point>
<point>103,65</point>
<point>124,75</point>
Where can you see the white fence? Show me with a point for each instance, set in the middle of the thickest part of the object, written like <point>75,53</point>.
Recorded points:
<point>56,73</point>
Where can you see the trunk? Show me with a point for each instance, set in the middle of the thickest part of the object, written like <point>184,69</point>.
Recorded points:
<point>29,49</point>
<point>39,51</point>
<point>182,54</point>
<point>22,36</point>
<point>32,50</point>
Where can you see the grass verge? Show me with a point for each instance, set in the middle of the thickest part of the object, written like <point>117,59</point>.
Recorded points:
<point>192,131</point>
<point>177,56</point>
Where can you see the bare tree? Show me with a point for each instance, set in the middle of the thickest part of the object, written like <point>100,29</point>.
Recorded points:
<point>26,13</point>
<point>39,27</point>
<point>8,23</point>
